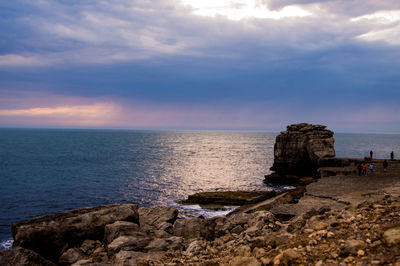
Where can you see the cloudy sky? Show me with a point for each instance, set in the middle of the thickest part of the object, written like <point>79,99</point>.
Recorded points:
<point>210,64</point>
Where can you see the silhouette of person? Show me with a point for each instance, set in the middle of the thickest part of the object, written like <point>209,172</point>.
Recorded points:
<point>392,156</point>
<point>359,168</point>
<point>371,153</point>
<point>364,169</point>
<point>385,165</point>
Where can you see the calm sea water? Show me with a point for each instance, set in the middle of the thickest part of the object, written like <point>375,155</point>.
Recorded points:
<point>47,171</point>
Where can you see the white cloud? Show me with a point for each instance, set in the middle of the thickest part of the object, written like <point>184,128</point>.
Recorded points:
<point>383,17</point>
<point>240,9</point>
<point>386,26</point>
<point>391,35</point>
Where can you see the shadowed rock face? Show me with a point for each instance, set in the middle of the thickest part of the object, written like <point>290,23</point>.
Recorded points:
<point>49,234</point>
<point>298,149</point>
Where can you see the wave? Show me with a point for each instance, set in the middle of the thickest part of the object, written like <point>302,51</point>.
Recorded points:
<point>6,244</point>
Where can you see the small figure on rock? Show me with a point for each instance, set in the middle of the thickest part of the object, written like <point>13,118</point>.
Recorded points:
<point>364,169</point>
<point>392,156</point>
<point>371,153</point>
<point>385,165</point>
<point>371,168</point>
<point>359,169</point>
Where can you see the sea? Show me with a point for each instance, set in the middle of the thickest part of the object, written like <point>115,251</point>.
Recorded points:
<point>44,171</point>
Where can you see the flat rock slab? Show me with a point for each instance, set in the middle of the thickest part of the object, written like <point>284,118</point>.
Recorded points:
<point>355,189</point>
<point>228,198</point>
<point>339,191</point>
<point>305,204</point>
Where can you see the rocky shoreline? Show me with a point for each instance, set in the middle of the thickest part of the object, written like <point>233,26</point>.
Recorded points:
<point>333,217</point>
<point>356,225</point>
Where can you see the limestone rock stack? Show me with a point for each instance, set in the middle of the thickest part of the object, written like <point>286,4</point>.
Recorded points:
<point>299,149</point>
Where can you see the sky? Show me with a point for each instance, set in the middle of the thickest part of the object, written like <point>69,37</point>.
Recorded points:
<point>210,64</point>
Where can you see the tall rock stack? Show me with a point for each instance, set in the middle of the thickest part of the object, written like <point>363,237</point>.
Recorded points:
<point>299,149</point>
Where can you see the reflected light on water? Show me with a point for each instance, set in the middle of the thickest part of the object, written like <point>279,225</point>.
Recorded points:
<point>188,162</point>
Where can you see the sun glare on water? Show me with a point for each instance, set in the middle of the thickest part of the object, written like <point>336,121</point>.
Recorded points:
<point>239,9</point>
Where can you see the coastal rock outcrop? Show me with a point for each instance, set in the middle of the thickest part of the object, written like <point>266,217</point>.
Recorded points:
<point>299,149</point>
<point>340,220</point>
<point>48,235</point>
<point>122,233</point>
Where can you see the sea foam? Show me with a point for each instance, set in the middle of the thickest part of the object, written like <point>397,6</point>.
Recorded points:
<point>6,244</point>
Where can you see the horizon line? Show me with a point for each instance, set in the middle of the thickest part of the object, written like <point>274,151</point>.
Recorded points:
<point>272,131</point>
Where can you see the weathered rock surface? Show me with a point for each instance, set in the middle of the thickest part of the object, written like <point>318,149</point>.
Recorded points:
<point>291,196</point>
<point>195,228</point>
<point>114,230</point>
<point>159,217</point>
<point>136,258</point>
<point>127,243</point>
<point>392,235</point>
<point>71,256</point>
<point>298,150</point>
<point>48,235</point>
<point>20,257</point>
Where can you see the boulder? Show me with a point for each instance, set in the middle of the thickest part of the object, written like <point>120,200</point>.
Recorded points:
<point>20,257</point>
<point>89,245</point>
<point>156,217</point>
<point>128,243</point>
<point>48,235</point>
<point>352,246</point>
<point>119,228</point>
<point>290,257</point>
<point>194,248</point>
<point>296,224</point>
<point>392,235</point>
<point>136,258</point>
<point>237,230</point>
<point>260,216</point>
<point>298,150</point>
<point>195,228</point>
<point>70,256</point>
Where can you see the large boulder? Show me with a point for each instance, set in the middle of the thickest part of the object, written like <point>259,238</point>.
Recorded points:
<point>298,150</point>
<point>119,228</point>
<point>195,228</point>
<point>49,235</point>
<point>127,243</point>
<point>157,217</point>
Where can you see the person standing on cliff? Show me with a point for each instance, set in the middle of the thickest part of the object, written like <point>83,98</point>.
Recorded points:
<point>371,153</point>
<point>385,165</point>
<point>392,156</point>
<point>359,169</point>
<point>364,169</point>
